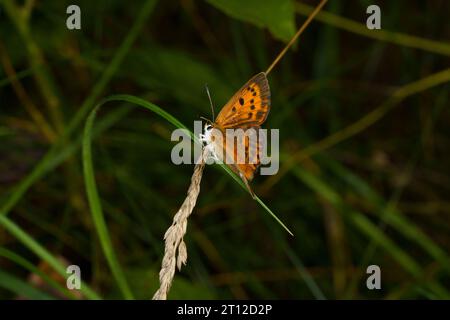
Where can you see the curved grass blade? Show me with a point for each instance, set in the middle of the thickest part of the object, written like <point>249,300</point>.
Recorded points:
<point>110,70</point>
<point>41,252</point>
<point>12,256</point>
<point>92,191</point>
<point>397,38</point>
<point>22,288</point>
<point>96,208</point>
<point>165,115</point>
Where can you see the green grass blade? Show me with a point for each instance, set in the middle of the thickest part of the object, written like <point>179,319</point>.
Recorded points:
<point>397,38</point>
<point>112,68</point>
<point>42,167</point>
<point>368,228</point>
<point>41,252</point>
<point>5,253</point>
<point>22,288</point>
<point>394,217</point>
<point>270,212</point>
<point>165,115</point>
<point>273,215</point>
<point>96,208</point>
<point>305,274</point>
<point>379,237</point>
<point>92,191</point>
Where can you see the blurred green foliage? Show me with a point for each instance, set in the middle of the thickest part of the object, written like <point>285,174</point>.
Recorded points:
<point>275,15</point>
<point>364,176</point>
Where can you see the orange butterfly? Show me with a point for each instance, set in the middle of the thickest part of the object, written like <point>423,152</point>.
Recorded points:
<point>246,110</point>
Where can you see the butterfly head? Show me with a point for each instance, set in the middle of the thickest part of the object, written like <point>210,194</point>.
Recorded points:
<point>207,132</point>
<point>208,127</point>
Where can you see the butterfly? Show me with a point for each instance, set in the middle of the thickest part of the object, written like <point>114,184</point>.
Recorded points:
<point>247,109</point>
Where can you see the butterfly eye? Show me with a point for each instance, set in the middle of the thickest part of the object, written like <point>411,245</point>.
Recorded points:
<point>209,127</point>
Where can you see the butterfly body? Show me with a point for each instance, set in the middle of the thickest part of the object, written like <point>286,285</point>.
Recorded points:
<point>246,111</point>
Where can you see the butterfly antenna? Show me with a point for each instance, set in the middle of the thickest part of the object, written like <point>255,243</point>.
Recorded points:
<point>207,120</point>
<point>210,102</point>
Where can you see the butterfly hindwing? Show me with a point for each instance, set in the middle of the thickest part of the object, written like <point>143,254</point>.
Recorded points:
<point>249,107</point>
<point>252,159</point>
<point>247,162</point>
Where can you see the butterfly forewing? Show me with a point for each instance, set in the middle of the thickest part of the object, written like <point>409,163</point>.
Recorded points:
<point>249,107</point>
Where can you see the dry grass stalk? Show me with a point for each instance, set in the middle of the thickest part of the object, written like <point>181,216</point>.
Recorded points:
<point>174,235</point>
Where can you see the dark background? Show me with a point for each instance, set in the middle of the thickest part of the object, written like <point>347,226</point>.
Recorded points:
<point>364,138</point>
